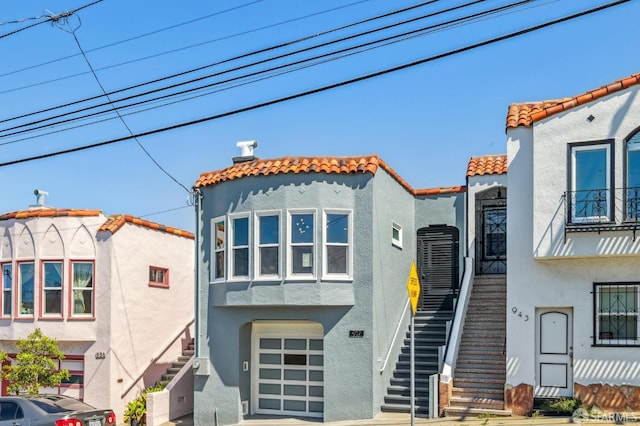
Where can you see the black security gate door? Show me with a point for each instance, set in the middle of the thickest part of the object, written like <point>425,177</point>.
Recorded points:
<point>437,265</point>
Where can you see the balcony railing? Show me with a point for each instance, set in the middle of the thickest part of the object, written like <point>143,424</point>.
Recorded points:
<point>602,210</point>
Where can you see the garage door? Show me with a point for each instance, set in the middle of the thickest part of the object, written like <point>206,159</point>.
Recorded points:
<point>287,374</point>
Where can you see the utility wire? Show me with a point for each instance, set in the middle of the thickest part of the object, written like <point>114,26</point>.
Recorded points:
<point>50,18</point>
<point>73,33</point>
<point>323,88</point>
<point>238,68</point>
<point>242,56</point>
<point>288,21</point>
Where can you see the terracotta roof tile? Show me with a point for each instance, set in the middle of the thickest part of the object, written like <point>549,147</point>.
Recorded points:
<point>334,165</point>
<point>525,114</point>
<point>49,212</point>
<point>115,222</point>
<point>487,165</point>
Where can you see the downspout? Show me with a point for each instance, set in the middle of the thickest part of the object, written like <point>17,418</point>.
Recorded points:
<point>198,324</point>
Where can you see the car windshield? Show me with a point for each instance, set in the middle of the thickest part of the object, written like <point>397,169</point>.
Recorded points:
<point>55,404</point>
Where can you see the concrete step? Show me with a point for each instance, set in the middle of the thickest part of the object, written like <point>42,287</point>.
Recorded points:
<point>477,393</point>
<point>401,408</point>
<point>406,400</point>
<point>476,402</point>
<point>464,411</point>
<point>406,391</point>
<point>479,383</point>
<point>406,382</point>
<point>494,363</point>
<point>465,373</point>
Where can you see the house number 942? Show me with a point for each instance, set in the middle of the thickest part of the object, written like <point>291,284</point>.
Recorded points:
<point>519,313</point>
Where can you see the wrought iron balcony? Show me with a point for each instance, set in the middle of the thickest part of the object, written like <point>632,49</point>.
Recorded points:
<point>602,209</point>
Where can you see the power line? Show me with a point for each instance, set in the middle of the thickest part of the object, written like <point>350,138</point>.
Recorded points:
<point>288,21</point>
<point>84,55</point>
<point>323,88</point>
<point>238,68</point>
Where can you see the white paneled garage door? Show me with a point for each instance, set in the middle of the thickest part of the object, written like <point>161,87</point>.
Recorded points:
<point>287,373</point>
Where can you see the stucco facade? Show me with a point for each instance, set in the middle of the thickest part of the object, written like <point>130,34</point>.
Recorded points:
<point>572,256</point>
<point>84,279</point>
<point>342,313</point>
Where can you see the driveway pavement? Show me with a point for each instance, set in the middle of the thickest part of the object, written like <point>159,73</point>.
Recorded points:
<point>390,419</point>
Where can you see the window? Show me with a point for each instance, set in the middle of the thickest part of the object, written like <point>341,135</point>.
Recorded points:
<point>219,245</point>
<point>158,277</point>
<point>52,288</point>
<point>7,289</point>
<point>616,314</point>
<point>396,235</point>
<point>590,187</point>
<point>337,238</point>
<point>10,411</point>
<point>268,245</point>
<point>495,232</point>
<point>25,288</point>
<point>301,244</point>
<point>632,184</point>
<point>240,247</point>
<point>82,283</point>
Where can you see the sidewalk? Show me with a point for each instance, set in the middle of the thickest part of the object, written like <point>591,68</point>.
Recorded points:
<point>391,419</point>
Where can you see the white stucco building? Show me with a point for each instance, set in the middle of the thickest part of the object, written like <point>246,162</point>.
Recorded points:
<point>116,292</point>
<point>573,281</point>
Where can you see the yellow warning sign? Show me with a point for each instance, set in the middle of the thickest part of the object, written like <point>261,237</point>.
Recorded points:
<point>413,286</point>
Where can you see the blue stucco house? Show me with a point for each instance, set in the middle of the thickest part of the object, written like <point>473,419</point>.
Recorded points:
<point>302,306</point>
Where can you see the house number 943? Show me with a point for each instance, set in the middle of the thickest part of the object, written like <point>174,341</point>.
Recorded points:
<point>519,313</point>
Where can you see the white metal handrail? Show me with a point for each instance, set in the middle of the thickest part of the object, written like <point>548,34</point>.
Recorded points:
<point>395,336</point>
<point>458,322</point>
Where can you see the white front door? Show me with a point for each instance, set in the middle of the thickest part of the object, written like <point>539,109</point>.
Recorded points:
<point>554,352</point>
<point>288,368</point>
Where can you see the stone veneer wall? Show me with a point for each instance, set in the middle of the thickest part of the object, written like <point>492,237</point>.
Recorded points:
<point>609,398</point>
<point>519,399</point>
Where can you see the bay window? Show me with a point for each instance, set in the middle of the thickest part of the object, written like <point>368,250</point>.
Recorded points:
<point>52,288</point>
<point>268,245</point>
<point>337,242</point>
<point>82,288</point>
<point>301,244</point>
<point>240,247</point>
<point>26,272</point>
<point>7,289</point>
<point>590,182</point>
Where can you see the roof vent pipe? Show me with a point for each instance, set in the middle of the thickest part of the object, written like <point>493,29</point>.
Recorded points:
<point>40,197</point>
<point>246,151</point>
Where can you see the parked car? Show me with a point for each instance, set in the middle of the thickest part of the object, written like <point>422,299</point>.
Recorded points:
<point>51,410</point>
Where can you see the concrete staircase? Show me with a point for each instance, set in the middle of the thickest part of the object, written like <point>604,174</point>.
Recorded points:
<point>430,334</point>
<point>177,365</point>
<point>480,372</point>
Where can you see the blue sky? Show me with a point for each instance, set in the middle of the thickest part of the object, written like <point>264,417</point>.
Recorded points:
<point>425,121</point>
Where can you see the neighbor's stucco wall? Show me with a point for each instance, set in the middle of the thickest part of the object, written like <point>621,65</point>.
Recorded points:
<point>150,325</point>
<point>616,117</point>
<point>545,272</point>
<point>337,306</point>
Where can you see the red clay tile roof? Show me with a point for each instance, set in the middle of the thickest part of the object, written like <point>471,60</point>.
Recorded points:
<point>525,114</point>
<point>49,212</point>
<point>115,222</point>
<point>336,165</point>
<point>438,191</point>
<point>487,165</point>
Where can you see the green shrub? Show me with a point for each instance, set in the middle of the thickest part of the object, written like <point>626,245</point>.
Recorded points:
<point>136,410</point>
<point>563,405</point>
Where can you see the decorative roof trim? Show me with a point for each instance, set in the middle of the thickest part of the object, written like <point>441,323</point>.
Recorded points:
<point>525,114</point>
<point>117,221</point>
<point>330,165</point>
<point>487,165</point>
<point>50,212</point>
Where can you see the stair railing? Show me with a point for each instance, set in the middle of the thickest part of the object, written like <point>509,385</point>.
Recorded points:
<point>453,343</point>
<point>157,357</point>
<point>395,336</point>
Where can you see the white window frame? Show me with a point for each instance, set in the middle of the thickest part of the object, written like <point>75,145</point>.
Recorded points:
<point>348,276</point>
<point>7,293</point>
<point>215,250</point>
<point>232,248</point>
<point>313,245</point>
<point>18,287</point>
<point>591,147</point>
<point>258,245</point>
<point>397,242</point>
<point>597,315</point>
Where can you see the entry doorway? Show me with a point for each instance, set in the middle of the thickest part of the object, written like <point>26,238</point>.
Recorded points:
<point>437,265</point>
<point>554,352</point>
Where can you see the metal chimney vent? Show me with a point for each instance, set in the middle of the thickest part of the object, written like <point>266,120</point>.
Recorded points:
<point>40,198</point>
<point>246,151</point>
